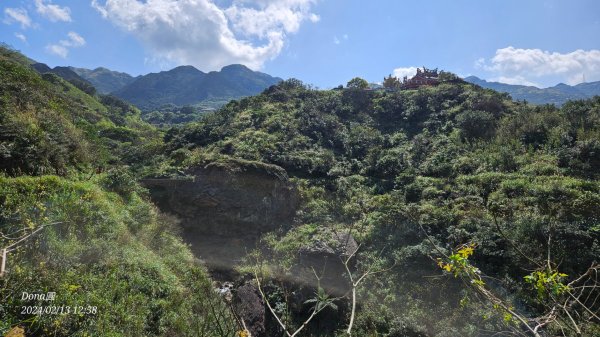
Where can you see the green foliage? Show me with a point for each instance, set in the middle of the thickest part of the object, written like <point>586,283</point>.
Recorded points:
<point>476,124</point>
<point>460,163</point>
<point>357,83</point>
<point>464,164</point>
<point>547,281</point>
<point>89,233</point>
<point>111,253</point>
<point>48,126</point>
<point>321,301</point>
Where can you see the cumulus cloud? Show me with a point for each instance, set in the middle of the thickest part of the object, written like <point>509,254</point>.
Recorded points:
<point>21,37</point>
<point>75,40</point>
<point>17,15</point>
<point>61,48</point>
<point>58,50</point>
<point>407,71</point>
<point>203,34</point>
<point>53,12</point>
<point>528,66</point>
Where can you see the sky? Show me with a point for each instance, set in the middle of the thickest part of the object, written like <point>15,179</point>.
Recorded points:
<point>321,42</point>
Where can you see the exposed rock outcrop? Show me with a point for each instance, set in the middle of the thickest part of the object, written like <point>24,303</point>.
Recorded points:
<point>324,256</point>
<point>228,198</point>
<point>224,206</point>
<point>250,307</point>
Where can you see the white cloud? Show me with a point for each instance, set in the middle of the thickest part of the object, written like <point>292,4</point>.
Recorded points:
<point>203,34</point>
<point>75,40</point>
<point>21,37</point>
<point>527,66</point>
<point>53,12</point>
<point>58,50</point>
<point>407,71</point>
<point>336,40</point>
<point>520,80</point>
<point>62,47</point>
<point>18,15</point>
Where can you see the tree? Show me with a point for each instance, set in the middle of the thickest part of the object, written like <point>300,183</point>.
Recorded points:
<point>357,83</point>
<point>476,124</point>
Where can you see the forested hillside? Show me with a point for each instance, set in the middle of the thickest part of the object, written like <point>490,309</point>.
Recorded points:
<point>104,80</point>
<point>186,85</point>
<point>75,222</point>
<point>447,210</point>
<point>480,213</point>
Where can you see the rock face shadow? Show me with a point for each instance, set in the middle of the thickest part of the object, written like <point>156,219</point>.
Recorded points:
<point>224,207</point>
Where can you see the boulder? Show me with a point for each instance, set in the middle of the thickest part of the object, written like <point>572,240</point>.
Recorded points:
<point>250,307</point>
<point>324,255</point>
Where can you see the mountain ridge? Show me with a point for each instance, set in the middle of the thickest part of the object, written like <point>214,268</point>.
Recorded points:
<point>104,79</point>
<point>558,94</point>
<point>186,85</point>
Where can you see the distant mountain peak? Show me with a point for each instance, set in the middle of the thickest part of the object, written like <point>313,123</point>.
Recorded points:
<point>235,67</point>
<point>186,85</point>
<point>105,80</point>
<point>185,67</point>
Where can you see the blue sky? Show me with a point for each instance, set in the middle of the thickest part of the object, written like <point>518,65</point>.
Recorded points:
<point>322,42</point>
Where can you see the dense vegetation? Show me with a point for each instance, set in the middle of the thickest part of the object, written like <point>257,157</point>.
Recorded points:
<point>170,115</point>
<point>418,174</point>
<point>78,224</point>
<point>437,185</point>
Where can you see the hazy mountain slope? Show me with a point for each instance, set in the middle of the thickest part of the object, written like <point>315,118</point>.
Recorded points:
<point>589,89</point>
<point>558,94</point>
<point>105,80</point>
<point>179,86</point>
<point>187,85</point>
<point>64,72</point>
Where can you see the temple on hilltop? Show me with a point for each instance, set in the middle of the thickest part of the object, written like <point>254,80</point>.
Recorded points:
<point>422,78</point>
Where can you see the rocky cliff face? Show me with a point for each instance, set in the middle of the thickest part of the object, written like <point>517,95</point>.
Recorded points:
<point>229,199</point>
<point>225,206</point>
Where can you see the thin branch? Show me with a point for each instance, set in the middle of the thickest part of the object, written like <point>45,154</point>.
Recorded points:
<point>262,294</point>
<point>8,248</point>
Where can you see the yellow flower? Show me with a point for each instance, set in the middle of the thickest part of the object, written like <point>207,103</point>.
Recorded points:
<point>466,251</point>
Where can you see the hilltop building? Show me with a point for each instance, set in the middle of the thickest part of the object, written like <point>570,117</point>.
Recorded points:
<point>422,78</point>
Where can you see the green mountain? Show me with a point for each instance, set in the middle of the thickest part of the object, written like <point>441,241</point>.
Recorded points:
<point>460,198</point>
<point>559,94</point>
<point>74,221</point>
<point>589,89</point>
<point>447,210</point>
<point>67,74</point>
<point>105,80</point>
<point>186,85</point>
